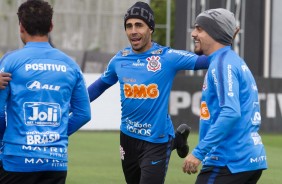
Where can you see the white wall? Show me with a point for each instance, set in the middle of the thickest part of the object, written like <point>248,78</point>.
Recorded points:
<point>105,110</point>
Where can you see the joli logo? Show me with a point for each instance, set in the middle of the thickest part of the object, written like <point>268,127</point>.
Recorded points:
<point>42,114</point>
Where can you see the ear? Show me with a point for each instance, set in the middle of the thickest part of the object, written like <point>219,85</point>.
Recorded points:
<point>51,27</point>
<point>22,29</point>
<point>236,31</point>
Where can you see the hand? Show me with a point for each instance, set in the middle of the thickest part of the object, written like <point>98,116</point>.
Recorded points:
<point>190,165</point>
<point>4,80</point>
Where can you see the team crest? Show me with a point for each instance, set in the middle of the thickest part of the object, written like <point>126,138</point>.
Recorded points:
<point>153,63</point>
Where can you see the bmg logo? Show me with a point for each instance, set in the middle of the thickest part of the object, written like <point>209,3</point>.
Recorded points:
<point>42,114</point>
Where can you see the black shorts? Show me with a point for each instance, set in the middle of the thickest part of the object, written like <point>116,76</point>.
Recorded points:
<point>220,175</point>
<point>144,162</point>
<point>42,177</point>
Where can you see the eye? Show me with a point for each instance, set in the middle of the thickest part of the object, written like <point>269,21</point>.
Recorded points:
<point>139,25</point>
<point>127,26</point>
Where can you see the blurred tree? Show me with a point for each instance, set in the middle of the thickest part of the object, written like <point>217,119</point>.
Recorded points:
<point>159,7</point>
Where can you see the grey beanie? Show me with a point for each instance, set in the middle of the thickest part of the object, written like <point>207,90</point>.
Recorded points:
<point>219,23</point>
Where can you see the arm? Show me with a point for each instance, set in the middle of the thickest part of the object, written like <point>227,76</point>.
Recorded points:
<point>97,88</point>
<point>3,101</point>
<point>2,124</point>
<point>4,80</point>
<point>202,63</point>
<point>227,88</point>
<point>80,105</point>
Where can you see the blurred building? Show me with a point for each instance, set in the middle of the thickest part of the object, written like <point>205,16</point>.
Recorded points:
<point>85,29</point>
<point>90,29</point>
<point>78,24</point>
<point>259,41</point>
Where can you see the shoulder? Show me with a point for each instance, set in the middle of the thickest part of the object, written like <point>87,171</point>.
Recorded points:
<point>11,54</point>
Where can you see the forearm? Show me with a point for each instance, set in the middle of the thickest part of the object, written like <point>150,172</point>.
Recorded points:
<point>4,80</point>
<point>216,134</point>
<point>97,88</point>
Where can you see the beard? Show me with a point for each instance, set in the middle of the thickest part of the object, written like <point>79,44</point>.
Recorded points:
<point>198,52</point>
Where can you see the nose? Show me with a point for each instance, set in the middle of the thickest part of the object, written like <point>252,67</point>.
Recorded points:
<point>194,33</point>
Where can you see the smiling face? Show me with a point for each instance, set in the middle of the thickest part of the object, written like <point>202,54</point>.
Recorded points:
<point>139,35</point>
<point>204,43</point>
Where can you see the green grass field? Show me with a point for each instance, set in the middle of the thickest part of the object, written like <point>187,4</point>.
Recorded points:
<point>94,159</point>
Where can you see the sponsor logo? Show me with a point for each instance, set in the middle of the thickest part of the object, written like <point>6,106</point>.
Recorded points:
<point>205,86</point>
<point>54,151</point>
<point>258,159</point>
<point>230,81</point>
<point>155,162</point>
<point>214,77</point>
<point>53,162</point>
<point>256,119</point>
<point>183,53</point>
<point>41,137</point>
<point>45,67</point>
<point>124,79</point>
<point>42,114</point>
<point>159,51</point>
<point>256,138</point>
<point>137,128</point>
<point>244,68</point>
<point>204,113</point>
<point>153,63</point>
<point>141,91</point>
<point>138,63</point>
<point>36,85</point>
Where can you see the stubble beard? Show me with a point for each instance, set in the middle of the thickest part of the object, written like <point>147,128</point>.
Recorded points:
<point>198,52</point>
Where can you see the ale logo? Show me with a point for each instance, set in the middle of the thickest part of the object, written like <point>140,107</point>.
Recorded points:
<point>42,114</point>
<point>205,113</point>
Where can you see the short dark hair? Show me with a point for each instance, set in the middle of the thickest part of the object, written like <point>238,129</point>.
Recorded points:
<point>36,17</point>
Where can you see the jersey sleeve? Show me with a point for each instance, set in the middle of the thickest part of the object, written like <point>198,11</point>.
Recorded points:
<point>3,102</point>
<point>225,77</point>
<point>110,76</point>
<point>181,59</point>
<point>80,106</point>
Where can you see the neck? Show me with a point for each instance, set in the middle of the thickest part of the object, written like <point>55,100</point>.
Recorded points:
<point>216,46</point>
<point>37,39</point>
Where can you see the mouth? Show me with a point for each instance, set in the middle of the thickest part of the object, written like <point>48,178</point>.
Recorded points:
<point>196,42</point>
<point>135,40</point>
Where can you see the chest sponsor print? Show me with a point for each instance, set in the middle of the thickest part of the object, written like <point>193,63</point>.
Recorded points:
<point>204,113</point>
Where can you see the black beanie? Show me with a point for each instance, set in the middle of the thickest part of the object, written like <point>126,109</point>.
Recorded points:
<point>141,10</point>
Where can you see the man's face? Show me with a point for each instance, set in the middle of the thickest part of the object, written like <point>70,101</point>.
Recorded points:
<point>138,34</point>
<point>204,43</point>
